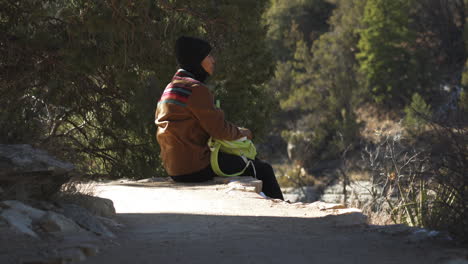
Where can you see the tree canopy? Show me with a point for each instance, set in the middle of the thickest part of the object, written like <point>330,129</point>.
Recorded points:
<point>82,78</point>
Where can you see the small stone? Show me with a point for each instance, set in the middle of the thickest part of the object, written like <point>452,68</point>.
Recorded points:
<point>248,185</point>
<point>154,179</point>
<point>347,217</point>
<point>422,234</point>
<point>326,206</point>
<point>53,222</point>
<point>221,180</point>
<point>89,250</point>
<point>47,206</point>
<point>72,255</point>
<point>110,222</point>
<point>394,230</point>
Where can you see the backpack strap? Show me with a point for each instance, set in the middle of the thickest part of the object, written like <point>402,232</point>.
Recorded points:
<point>215,146</point>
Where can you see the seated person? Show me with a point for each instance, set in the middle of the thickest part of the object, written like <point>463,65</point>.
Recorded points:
<point>186,118</point>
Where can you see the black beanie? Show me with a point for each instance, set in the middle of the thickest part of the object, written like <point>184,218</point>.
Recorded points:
<point>190,52</point>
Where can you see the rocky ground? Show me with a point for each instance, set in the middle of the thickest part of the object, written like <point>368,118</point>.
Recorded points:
<point>158,221</point>
<point>55,231</point>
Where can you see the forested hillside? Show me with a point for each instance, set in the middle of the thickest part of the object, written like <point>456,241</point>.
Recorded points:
<point>335,56</point>
<point>375,90</point>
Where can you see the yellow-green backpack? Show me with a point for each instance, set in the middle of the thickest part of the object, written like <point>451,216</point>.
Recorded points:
<point>242,147</point>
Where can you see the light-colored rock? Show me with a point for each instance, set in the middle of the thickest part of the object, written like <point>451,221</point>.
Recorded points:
<point>24,209</point>
<point>31,173</point>
<point>54,222</point>
<point>326,206</point>
<point>154,179</point>
<point>421,234</point>
<point>99,206</point>
<point>18,221</point>
<point>86,220</point>
<point>95,205</point>
<point>247,184</point>
<point>25,158</point>
<point>71,255</point>
<point>347,218</point>
<point>394,230</point>
<point>110,222</point>
<point>224,180</point>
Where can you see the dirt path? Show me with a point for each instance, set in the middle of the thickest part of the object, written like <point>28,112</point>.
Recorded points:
<point>209,224</point>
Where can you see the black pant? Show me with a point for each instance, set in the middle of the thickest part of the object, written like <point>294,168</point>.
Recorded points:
<point>230,164</point>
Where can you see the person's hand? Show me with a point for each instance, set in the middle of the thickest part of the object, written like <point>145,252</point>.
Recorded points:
<point>246,132</point>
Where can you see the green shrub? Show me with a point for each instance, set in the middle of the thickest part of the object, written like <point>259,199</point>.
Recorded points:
<point>417,115</point>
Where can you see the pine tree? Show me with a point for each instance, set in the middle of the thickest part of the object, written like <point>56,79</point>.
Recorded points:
<point>418,114</point>
<point>386,59</point>
<point>323,88</point>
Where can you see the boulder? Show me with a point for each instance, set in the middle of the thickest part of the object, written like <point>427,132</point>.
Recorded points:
<point>95,205</point>
<point>30,172</point>
<point>86,220</point>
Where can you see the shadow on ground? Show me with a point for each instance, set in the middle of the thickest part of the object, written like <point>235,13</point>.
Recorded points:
<point>185,238</point>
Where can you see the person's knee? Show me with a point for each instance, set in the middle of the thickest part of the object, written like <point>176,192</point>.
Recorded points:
<point>264,169</point>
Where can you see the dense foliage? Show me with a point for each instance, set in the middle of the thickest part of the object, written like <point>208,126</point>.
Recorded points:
<point>365,51</point>
<point>404,60</point>
<point>82,78</point>
<point>317,84</point>
<point>386,61</point>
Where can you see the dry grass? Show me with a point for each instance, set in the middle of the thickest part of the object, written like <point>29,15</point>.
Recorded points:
<point>289,175</point>
<point>377,124</point>
<point>74,190</point>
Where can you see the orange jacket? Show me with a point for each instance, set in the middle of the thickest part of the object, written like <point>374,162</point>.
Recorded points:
<point>186,117</point>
